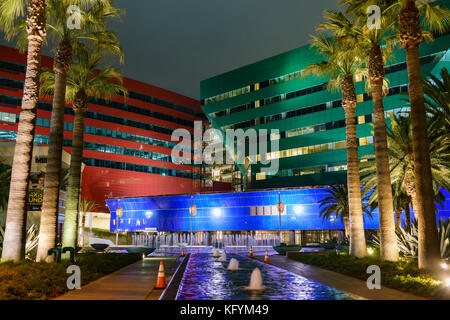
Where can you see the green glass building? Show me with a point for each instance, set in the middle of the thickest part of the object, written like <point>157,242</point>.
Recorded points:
<point>270,94</point>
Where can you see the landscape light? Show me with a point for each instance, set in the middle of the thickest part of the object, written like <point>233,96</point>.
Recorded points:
<point>370,251</point>
<point>217,212</point>
<point>444,266</point>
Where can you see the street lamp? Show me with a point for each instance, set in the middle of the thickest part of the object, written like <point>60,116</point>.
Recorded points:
<point>280,208</point>
<point>119,213</point>
<point>192,212</point>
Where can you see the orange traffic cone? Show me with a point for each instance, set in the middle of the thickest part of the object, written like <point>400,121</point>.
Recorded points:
<point>224,250</point>
<point>161,280</point>
<point>234,250</point>
<point>266,258</point>
<point>198,251</point>
<point>182,252</point>
<point>251,252</point>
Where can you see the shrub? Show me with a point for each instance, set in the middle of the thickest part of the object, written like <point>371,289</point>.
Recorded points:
<point>408,242</point>
<point>29,280</point>
<point>403,275</point>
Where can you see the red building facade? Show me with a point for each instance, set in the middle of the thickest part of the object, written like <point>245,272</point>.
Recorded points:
<point>127,140</point>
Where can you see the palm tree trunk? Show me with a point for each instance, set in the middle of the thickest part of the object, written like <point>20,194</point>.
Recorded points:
<point>81,222</point>
<point>14,240</point>
<point>407,216</point>
<point>73,191</point>
<point>388,238</point>
<point>346,227</point>
<point>408,181</point>
<point>357,238</point>
<point>49,215</point>
<point>411,36</point>
<point>398,218</point>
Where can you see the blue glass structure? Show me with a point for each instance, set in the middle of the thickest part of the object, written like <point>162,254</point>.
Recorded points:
<point>231,212</point>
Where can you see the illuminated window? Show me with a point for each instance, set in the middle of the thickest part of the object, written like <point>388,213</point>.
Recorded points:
<point>360,98</point>
<point>363,141</point>
<point>261,176</point>
<point>361,119</point>
<point>339,145</point>
<point>275,136</point>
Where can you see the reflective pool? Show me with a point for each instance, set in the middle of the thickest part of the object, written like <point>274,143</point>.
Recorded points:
<point>208,279</point>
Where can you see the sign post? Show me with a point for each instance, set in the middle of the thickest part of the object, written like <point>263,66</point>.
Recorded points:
<point>119,213</point>
<point>280,208</point>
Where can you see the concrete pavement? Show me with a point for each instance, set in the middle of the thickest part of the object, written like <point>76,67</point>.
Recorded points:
<point>134,282</point>
<point>337,280</point>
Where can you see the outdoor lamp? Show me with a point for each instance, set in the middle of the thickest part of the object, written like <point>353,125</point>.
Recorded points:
<point>217,212</point>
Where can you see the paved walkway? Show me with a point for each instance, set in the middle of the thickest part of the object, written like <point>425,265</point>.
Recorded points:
<point>337,280</point>
<point>134,282</point>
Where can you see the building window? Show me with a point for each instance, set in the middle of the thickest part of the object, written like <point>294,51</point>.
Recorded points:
<point>261,176</point>
<point>361,119</point>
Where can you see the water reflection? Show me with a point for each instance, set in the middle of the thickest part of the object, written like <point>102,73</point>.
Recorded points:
<point>208,279</point>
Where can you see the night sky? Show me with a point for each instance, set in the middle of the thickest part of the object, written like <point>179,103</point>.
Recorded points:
<point>174,44</point>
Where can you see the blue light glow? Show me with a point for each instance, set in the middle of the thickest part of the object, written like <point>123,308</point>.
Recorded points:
<point>234,212</point>
<point>217,212</point>
<point>298,209</point>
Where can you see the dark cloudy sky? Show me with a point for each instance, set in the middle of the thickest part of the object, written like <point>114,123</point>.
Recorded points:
<point>174,44</point>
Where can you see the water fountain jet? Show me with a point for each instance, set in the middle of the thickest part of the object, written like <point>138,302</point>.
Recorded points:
<point>255,281</point>
<point>234,264</point>
<point>223,257</point>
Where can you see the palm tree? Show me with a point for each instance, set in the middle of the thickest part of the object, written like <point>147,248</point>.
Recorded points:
<point>401,161</point>
<point>359,34</point>
<point>95,14</point>
<point>85,206</point>
<point>12,14</point>
<point>336,203</point>
<point>83,81</point>
<point>5,180</point>
<point>401,200</point>
<point>342,64</point>
<point>412,22</point>
<point>437,99</point>
<point>411,34</point>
